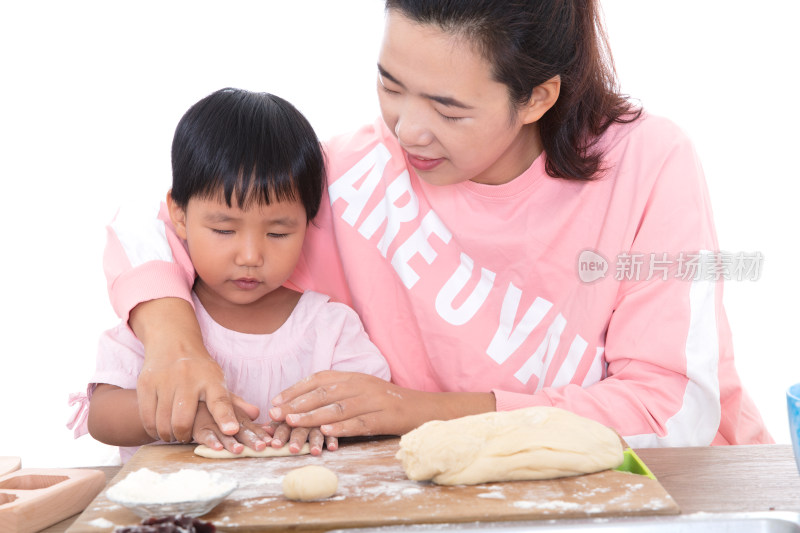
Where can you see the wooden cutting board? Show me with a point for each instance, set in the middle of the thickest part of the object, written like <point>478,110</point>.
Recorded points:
<point>9,464</point>
<point>374,491</point>
<point>34,498</point>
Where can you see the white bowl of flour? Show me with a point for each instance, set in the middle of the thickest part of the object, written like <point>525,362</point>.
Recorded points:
<point>189,492</point>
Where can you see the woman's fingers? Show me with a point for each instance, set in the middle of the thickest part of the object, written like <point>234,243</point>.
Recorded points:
<point>148,401</point>
<point>381,410</point>
<point>347,404</point>
<point>156,403</point>
<point>364,408</point>
<point>163,417</point>
<point>362,425</point>
<point>168,398</point>
<point>322,393</point>
<point>220,405</point>
<point>184,409</point>
<point>339,411</point>
<point>308,384</point>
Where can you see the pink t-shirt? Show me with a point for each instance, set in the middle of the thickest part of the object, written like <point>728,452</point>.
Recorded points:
<point>598,297</point>
<point>318,335</point>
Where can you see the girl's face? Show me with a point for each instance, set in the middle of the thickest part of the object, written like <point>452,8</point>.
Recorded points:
<point>453,120</point>
<point>240,255</point>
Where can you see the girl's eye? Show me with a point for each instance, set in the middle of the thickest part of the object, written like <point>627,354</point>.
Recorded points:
<point>384,87</point>
<point>387,90</point>
<point>222,231</point>
<point>278,235</point>
<point>449,118</point>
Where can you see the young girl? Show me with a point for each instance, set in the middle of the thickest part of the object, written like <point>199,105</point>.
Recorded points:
<point>248,175</point>
<point>512,232</point>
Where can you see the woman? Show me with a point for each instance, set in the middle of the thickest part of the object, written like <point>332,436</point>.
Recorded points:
<point>512,232</point>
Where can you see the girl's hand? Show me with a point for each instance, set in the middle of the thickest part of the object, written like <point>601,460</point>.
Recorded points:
<point>296,437</point>
<point>345,404</point>
<point>207,432</point>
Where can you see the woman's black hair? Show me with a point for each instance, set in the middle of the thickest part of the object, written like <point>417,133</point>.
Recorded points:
<point>527,42</point>
<point>248,147</point>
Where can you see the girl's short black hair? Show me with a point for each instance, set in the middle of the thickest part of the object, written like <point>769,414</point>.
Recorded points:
<point>248,147</point>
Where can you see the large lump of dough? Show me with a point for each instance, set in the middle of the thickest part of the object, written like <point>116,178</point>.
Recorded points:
<point>530,443</point>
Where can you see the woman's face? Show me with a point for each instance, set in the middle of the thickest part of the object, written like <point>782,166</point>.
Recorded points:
<point>453,120</point>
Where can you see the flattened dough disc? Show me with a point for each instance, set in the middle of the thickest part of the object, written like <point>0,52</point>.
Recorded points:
<point>269,451</point>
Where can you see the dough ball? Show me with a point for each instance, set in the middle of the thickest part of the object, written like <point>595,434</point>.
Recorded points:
<point>310,483</point>
<point>530,443</point>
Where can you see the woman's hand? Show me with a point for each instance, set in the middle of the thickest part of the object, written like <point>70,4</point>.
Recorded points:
<point>296,437</point>
<point>345,404</point>
<point>170,390</point>
<point>178,373</point>
<point>207,432</point>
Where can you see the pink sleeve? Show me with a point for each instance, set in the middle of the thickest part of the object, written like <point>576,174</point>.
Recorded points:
<point>354,351</point>
<point>120,356</point>
<point>144,260</point>
<point>666,337</point>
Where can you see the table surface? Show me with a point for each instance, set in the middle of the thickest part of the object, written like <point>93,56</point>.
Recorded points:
<point>719,479</point>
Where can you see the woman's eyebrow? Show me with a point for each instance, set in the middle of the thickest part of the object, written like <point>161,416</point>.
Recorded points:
<point>448,101</point>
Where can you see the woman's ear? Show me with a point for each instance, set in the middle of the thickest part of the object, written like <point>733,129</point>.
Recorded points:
<point>543,97</point>
<point>177,215</point>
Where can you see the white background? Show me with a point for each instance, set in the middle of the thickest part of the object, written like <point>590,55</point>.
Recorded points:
<point>90,93</point>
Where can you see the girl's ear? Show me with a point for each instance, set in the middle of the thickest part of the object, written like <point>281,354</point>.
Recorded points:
<point>543,97</point>
<point>177,215</point>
